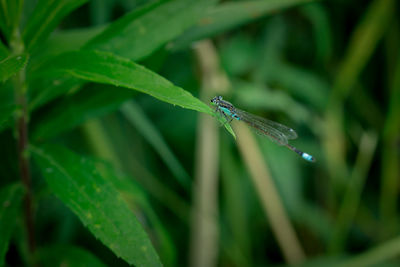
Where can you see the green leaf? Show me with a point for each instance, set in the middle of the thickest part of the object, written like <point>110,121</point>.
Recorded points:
<point>75,109</point>
<point>50,87</point>
<point>141,32</point>
<point>67,256</point>
<point>11,65</point>
<point>230,15</point>
<point>6,116</point>
<point>143,124</point>
<point>45,17</point>
<point>97,203</point>
<point>10,11</point>
<point>135,195</point>
<point>3,51</point>
<point>10,201</point>
<point>103,67</point>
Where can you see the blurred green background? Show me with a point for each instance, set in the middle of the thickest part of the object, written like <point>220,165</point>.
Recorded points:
<point>328,69</point>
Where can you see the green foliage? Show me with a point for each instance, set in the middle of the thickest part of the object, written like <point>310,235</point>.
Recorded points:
<point>10,202</point>
<point>103,78</point>
<point>11,65</point>
<point>139,33</point>
<point>67,256</point>
<point>104,67</point>
<point>97,203</point>
<point>45,17</point>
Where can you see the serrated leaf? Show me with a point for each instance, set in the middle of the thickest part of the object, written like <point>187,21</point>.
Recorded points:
<point>45,17</point>
<point>75,109</point>
<point>67,256</point>
<point>141,32</point>
<point>230,15</point>
<point>10,202</point>
<point>11,65</point>
<point>94,199</point>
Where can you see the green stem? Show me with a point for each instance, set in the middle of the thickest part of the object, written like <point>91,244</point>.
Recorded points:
<point>21,124</point>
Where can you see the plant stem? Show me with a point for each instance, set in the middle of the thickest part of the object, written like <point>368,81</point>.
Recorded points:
<point>21,120</point>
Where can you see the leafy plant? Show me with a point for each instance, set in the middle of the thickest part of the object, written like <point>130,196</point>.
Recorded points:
<point>97,129</point>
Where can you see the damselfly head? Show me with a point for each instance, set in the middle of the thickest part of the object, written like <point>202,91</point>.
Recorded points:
<point>216,100</point>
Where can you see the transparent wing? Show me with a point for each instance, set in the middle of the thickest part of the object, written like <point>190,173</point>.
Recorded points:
<point>277,132</point>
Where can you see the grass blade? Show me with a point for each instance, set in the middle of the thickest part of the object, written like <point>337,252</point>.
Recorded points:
<point>136,116</point>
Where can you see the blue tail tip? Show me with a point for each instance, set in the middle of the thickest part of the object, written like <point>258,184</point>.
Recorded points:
<point>308,157</point>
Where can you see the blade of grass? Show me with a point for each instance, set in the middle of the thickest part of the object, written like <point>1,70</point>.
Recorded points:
<point>375,256</point>
<point>269,197</point>
<point>136,116</point>
<point>390,157</point>
<point>352,197</point>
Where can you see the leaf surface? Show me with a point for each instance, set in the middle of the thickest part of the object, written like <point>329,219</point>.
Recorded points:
<point>94,199</point>
<point>11,65</point>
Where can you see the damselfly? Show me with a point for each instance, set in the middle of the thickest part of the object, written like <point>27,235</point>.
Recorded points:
<point>277,132</point>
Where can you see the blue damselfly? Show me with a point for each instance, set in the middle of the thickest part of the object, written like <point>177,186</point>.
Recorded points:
<point>277,132</point>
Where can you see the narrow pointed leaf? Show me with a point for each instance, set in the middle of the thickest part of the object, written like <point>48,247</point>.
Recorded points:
<point>10,202</point>
<point>103,67</point>
<point>97,203</point>
<point>136,116</point>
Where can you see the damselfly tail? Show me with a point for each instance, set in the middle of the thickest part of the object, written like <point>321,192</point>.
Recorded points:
<point>302,154</point>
